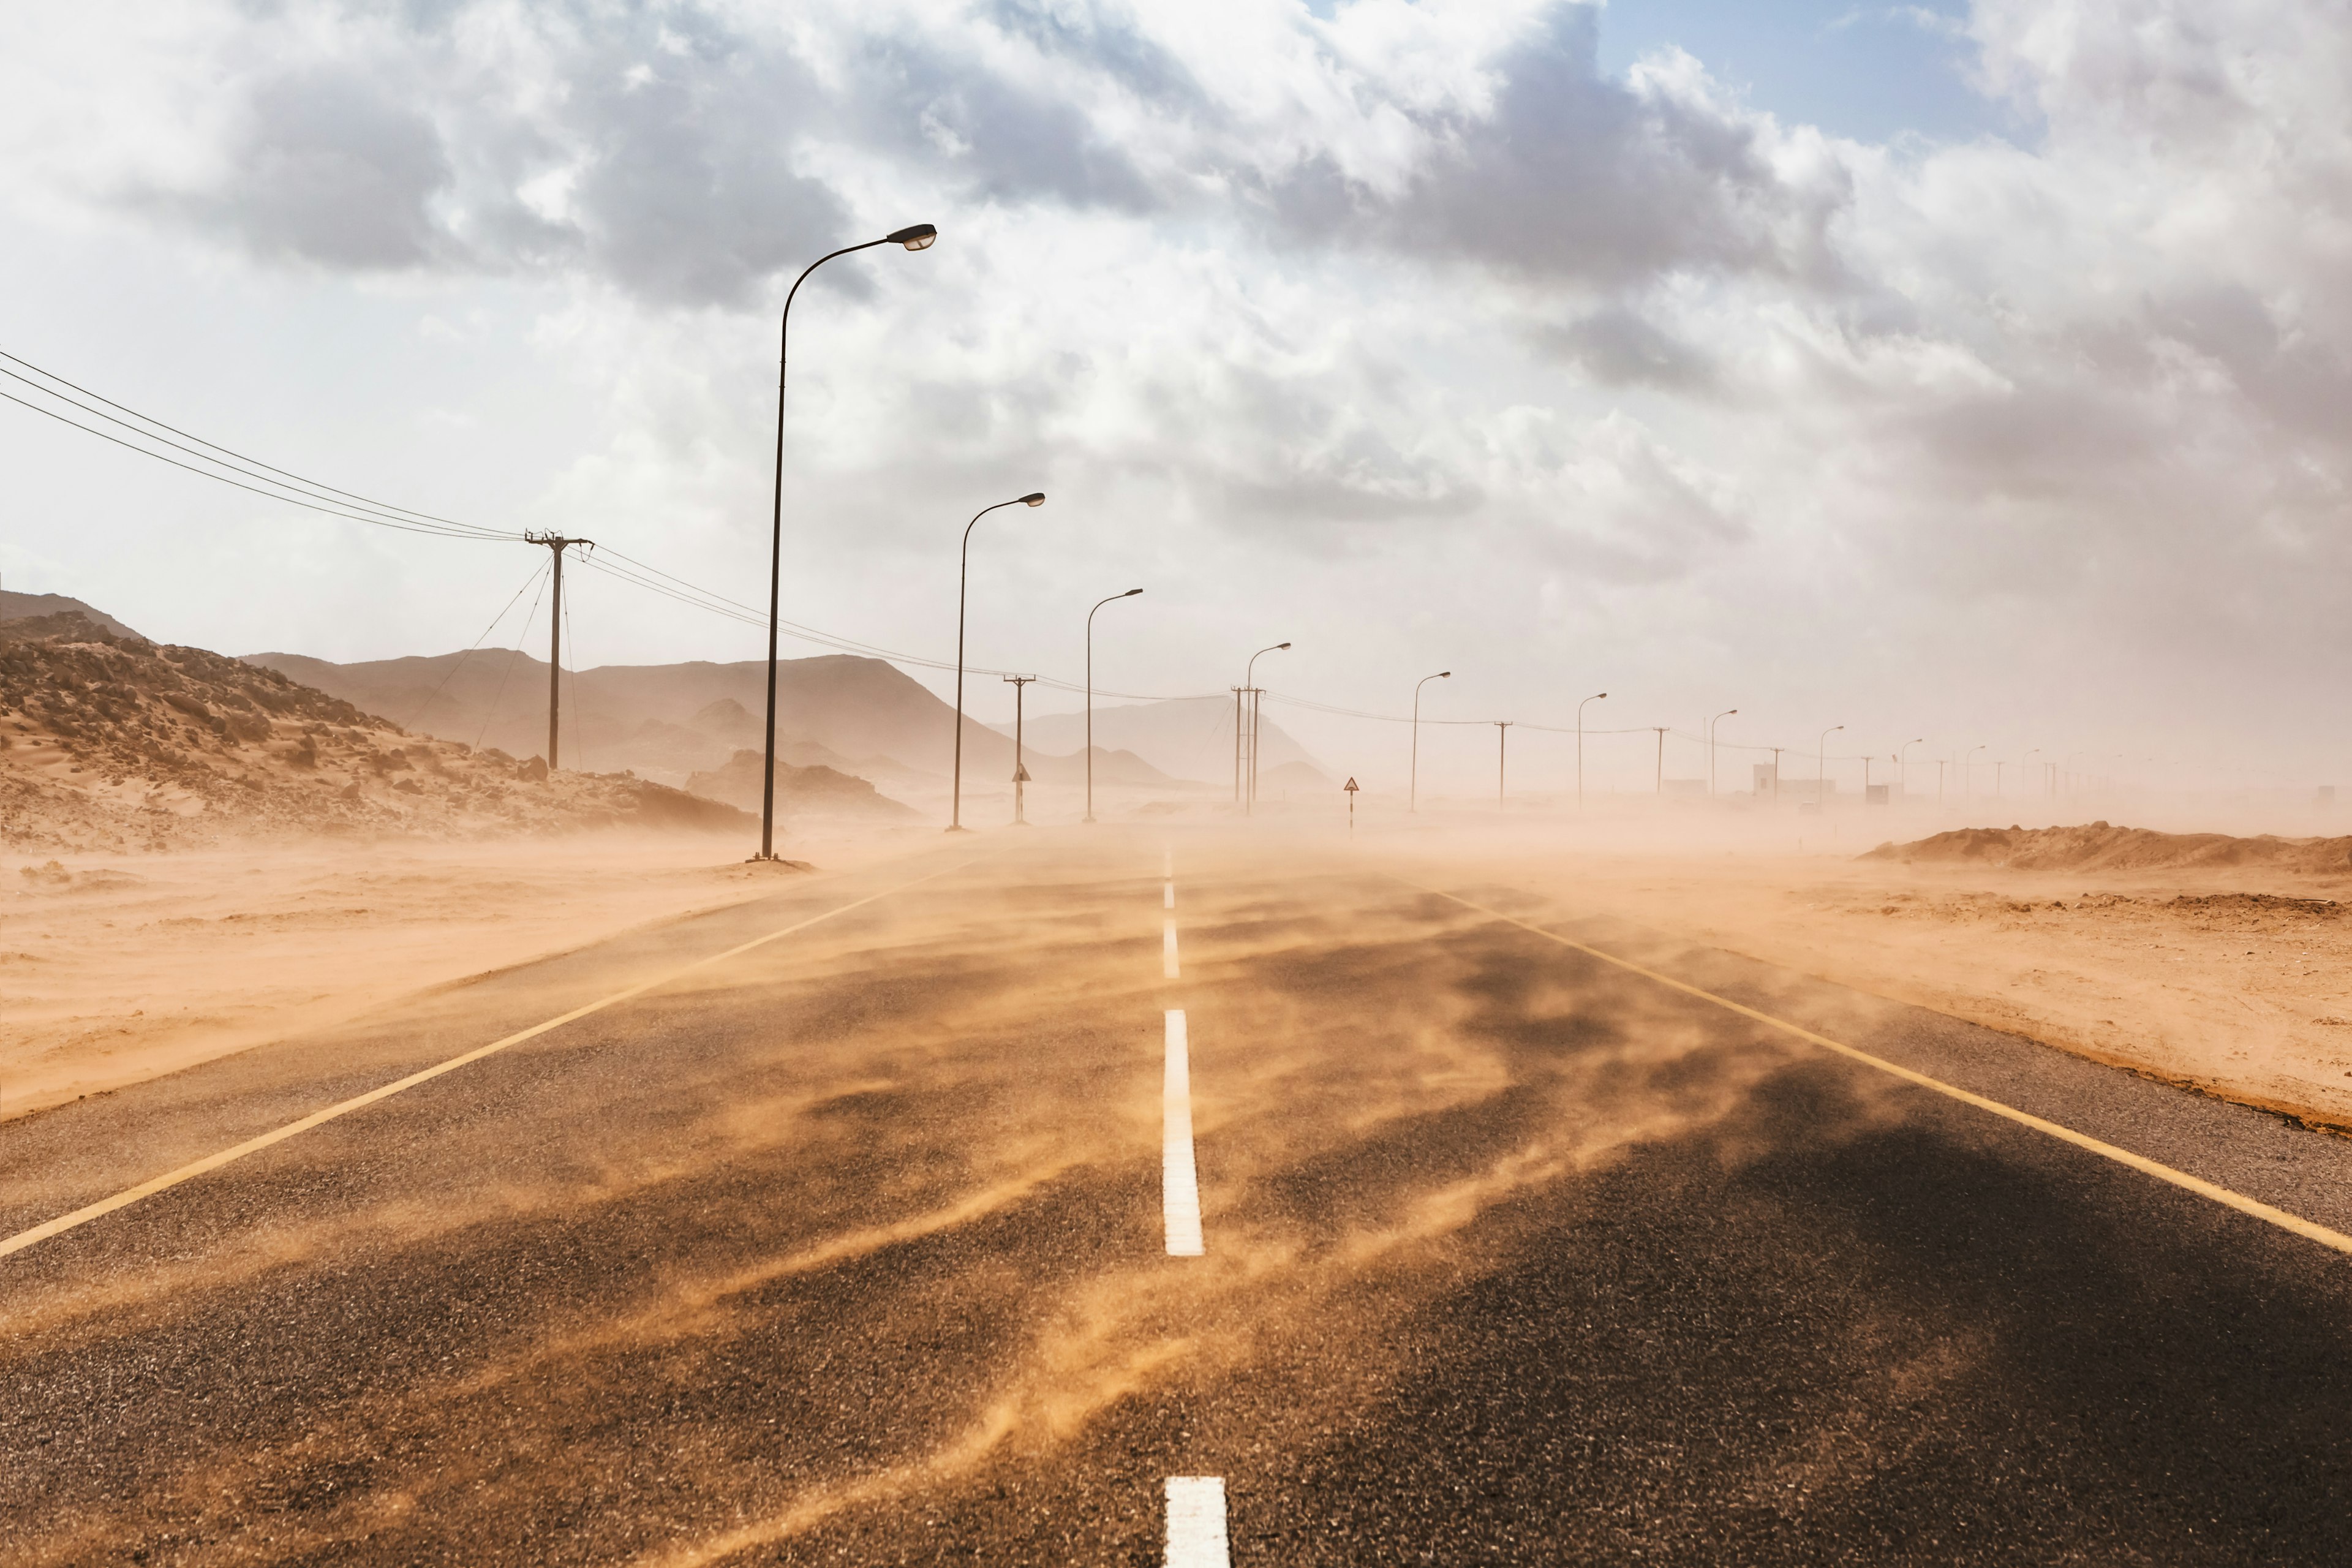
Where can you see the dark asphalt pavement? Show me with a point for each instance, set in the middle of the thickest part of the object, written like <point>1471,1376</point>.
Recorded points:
<point>849,1250</point>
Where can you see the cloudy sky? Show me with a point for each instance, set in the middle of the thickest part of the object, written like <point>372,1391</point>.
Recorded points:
<point>1972,372</point>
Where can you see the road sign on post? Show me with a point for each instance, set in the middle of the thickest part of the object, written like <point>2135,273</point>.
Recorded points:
<point>1351,787</point>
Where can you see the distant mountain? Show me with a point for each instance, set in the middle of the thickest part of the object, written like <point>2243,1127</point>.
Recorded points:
<point>665,722</point>
<point>800,792</point>
<point>26,606</point>
<point>1190,738</point>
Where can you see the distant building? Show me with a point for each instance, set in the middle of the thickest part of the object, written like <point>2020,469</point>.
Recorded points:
<point>1874,794</point>
<point>1768,780</point>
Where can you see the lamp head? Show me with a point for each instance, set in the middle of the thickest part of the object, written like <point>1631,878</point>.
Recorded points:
<point>1034,497</point>
<point>1596,696</point>
<point>1444,675</point>
<point>919,237</point>
<point>1130,594</point>
<point>1282,645</point>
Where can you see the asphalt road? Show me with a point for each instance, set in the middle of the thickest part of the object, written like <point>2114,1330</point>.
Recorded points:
<point>854,1248</point>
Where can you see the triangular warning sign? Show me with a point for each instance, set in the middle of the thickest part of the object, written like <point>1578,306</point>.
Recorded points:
<point>1350,786</point>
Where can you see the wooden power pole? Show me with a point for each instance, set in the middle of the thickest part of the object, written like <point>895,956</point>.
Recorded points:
<point>557,544</point>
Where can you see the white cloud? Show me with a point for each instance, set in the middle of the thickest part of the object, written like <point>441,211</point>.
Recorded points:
<point>1404,296</point>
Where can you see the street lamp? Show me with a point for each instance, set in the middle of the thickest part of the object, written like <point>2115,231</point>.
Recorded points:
<point>963,575</point>
<point>1130,594</point>
<point>1968,774</point>
<point>1903,767</point>
<point>919,238</point>
<point>1249,678</point>
<point>1710,748</point>
<point>1821,766</point>
<point>1413,799</point>
<point>1579,747</point>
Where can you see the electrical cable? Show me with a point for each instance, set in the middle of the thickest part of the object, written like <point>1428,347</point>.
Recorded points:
<point>272,495</point>
<point>501,694</point>
<point>314,485</point>
<point>451,673</point>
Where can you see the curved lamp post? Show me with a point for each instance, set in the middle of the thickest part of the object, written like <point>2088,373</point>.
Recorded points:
<point>1968,774</point>
<point>1413,799</point>
<point>1579,747</point>
<point>919,237</point>
<point>1903,768</point>
<point>1710,747</point>
<point>964,573</point>
<point>1130,594</point>
<point>1821,767</point>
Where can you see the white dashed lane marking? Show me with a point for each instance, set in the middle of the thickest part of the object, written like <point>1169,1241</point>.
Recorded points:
<point>1196,1522</point>
<point>1167,900</point>
<point>1179,1179</point>
<point>1168,949</point>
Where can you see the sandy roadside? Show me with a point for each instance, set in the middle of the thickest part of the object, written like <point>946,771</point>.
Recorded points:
<point>114,969</point>
<point>2236,981</point>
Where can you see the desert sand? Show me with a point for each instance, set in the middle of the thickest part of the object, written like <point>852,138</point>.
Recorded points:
<point>115,968</point>
<point>2231,976</point>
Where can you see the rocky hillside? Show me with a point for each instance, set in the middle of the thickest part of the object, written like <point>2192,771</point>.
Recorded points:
<point>109,741</point>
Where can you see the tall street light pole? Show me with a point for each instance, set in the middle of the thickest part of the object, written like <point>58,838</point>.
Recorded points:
<point>1968,774</point>
<point>1502,734</point>
<point>1903,768</point>
<point>963,577</point>
<point>1247,788</point>
<point>1660,787</point>
<point>1821,766</point>
<point>1413,799</point>
<point>1579,747</point>
<point>1130,594</point>
<point>919,237</point>
<point>1710,747</point>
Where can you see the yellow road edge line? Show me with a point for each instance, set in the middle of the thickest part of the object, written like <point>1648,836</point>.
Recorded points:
<point>2259,1210</point>
<point>153,1185</point>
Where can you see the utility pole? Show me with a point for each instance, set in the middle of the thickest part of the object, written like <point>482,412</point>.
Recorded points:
<point>1245,781</point>
<point>1020,684</point>
<point>558,545</point>
<point>1237,745</point>
<point>1776,771</point>
<point>1502,733</point>
<point>1660,729</point>
<point>1257,734</point>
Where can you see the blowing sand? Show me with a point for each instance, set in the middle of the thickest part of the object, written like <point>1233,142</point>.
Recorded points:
<point>2233,976</point>
<point>114,969</point>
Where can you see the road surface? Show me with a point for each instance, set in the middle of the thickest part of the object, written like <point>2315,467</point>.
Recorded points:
<point>1133,1197</point>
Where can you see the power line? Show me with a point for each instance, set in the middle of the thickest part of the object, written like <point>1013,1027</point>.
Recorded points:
<point>225,480</point>
<point>313,485</point>
<point>451,673</point>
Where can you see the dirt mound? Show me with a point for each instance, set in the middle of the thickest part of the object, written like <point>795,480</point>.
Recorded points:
<point>800,792</point>
<point>2097,847</point>
<point>109,741</point>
